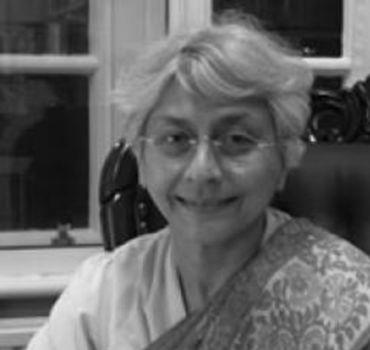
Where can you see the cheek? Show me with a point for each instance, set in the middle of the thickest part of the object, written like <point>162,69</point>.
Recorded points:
<point>262,179</point>
<point>159,180</point>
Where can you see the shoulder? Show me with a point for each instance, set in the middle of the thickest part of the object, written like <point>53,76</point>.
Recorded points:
<point>128,264</point>
<point>317,281</point>
<point>305,254</point>
<point>325,242</point>
<point>140,249</point>
<point>318,264</point>
<point>301,234</point>
<point>103,284</point>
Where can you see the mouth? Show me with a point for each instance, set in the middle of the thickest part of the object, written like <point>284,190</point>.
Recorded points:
<point>206,205</point>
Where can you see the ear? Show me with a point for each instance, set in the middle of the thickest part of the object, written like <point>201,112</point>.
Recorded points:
<point>293,153</point>
<point>142,181</point>
<point>141,170</point>
<point>282,179</point>
<point>140,162</point>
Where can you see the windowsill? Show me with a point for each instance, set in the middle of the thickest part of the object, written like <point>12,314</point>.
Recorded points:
<point>43,238</point>
<point>39,272</point>
<point>330,66</point>
<point>34,273</point>
<point>16,332</point>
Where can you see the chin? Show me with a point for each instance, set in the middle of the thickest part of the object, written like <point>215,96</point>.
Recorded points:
<point>205,233</point>
<point>217,229</point>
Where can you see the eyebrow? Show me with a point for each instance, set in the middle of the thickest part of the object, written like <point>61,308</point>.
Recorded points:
<point>170,120</point>
<point>227,118</point>
<point>239,118</point>
<point>231,118</point>
<point>235,118</point>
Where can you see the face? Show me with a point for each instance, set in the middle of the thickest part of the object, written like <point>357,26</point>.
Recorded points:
<point>208,193</point>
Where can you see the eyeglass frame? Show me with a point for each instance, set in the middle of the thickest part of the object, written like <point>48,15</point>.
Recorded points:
<point>216,143</point>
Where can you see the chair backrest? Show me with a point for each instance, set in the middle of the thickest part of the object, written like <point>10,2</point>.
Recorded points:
<point>331,187</point>
<point>126,209</point>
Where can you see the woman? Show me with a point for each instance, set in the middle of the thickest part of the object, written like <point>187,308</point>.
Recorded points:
<point>215,119</point>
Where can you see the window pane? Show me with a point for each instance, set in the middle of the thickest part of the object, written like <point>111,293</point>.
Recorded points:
<point>313,26</point>
<point>43,151</point>
<point>44,26</point>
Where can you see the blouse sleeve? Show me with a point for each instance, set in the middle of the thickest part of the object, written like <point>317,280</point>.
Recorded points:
<point>72,320</point>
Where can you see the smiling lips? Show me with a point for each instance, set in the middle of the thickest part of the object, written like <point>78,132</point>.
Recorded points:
<point>209,204</point>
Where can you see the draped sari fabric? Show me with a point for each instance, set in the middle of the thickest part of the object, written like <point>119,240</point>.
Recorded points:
<point>305,289</point>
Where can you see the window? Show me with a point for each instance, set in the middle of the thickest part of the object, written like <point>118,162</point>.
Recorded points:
<point>44,26</point>
<point>50,57</point>
<point>314,27</point>
<point>58,63</point>
<point>332,34</point>
<point>44,149</point>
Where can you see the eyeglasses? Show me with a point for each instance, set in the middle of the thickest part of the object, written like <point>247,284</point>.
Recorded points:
<point>232,144</point>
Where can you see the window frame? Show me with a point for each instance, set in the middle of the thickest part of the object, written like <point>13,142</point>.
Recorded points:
<point>95,65</point>
<point>117,29</point>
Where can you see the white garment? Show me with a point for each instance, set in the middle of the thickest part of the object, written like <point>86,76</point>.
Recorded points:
<point>117,301</point>
<point>122,300</point>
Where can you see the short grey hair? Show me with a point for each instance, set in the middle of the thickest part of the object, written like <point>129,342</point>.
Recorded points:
<point>228,61</point>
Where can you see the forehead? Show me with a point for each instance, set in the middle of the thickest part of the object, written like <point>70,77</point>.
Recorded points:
<point>178,106</point>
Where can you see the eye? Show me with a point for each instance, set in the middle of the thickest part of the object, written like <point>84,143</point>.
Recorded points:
<point>239,138</point>
<point>173,143</point>
<point>175,138</point>
<point>237,142</point>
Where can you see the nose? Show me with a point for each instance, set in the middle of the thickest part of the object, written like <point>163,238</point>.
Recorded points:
<point>204,166</point>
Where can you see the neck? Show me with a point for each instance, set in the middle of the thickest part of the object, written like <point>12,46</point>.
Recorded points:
<point>204,268</point>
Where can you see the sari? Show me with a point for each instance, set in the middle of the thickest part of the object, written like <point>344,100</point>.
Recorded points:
<point>304,289</point>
